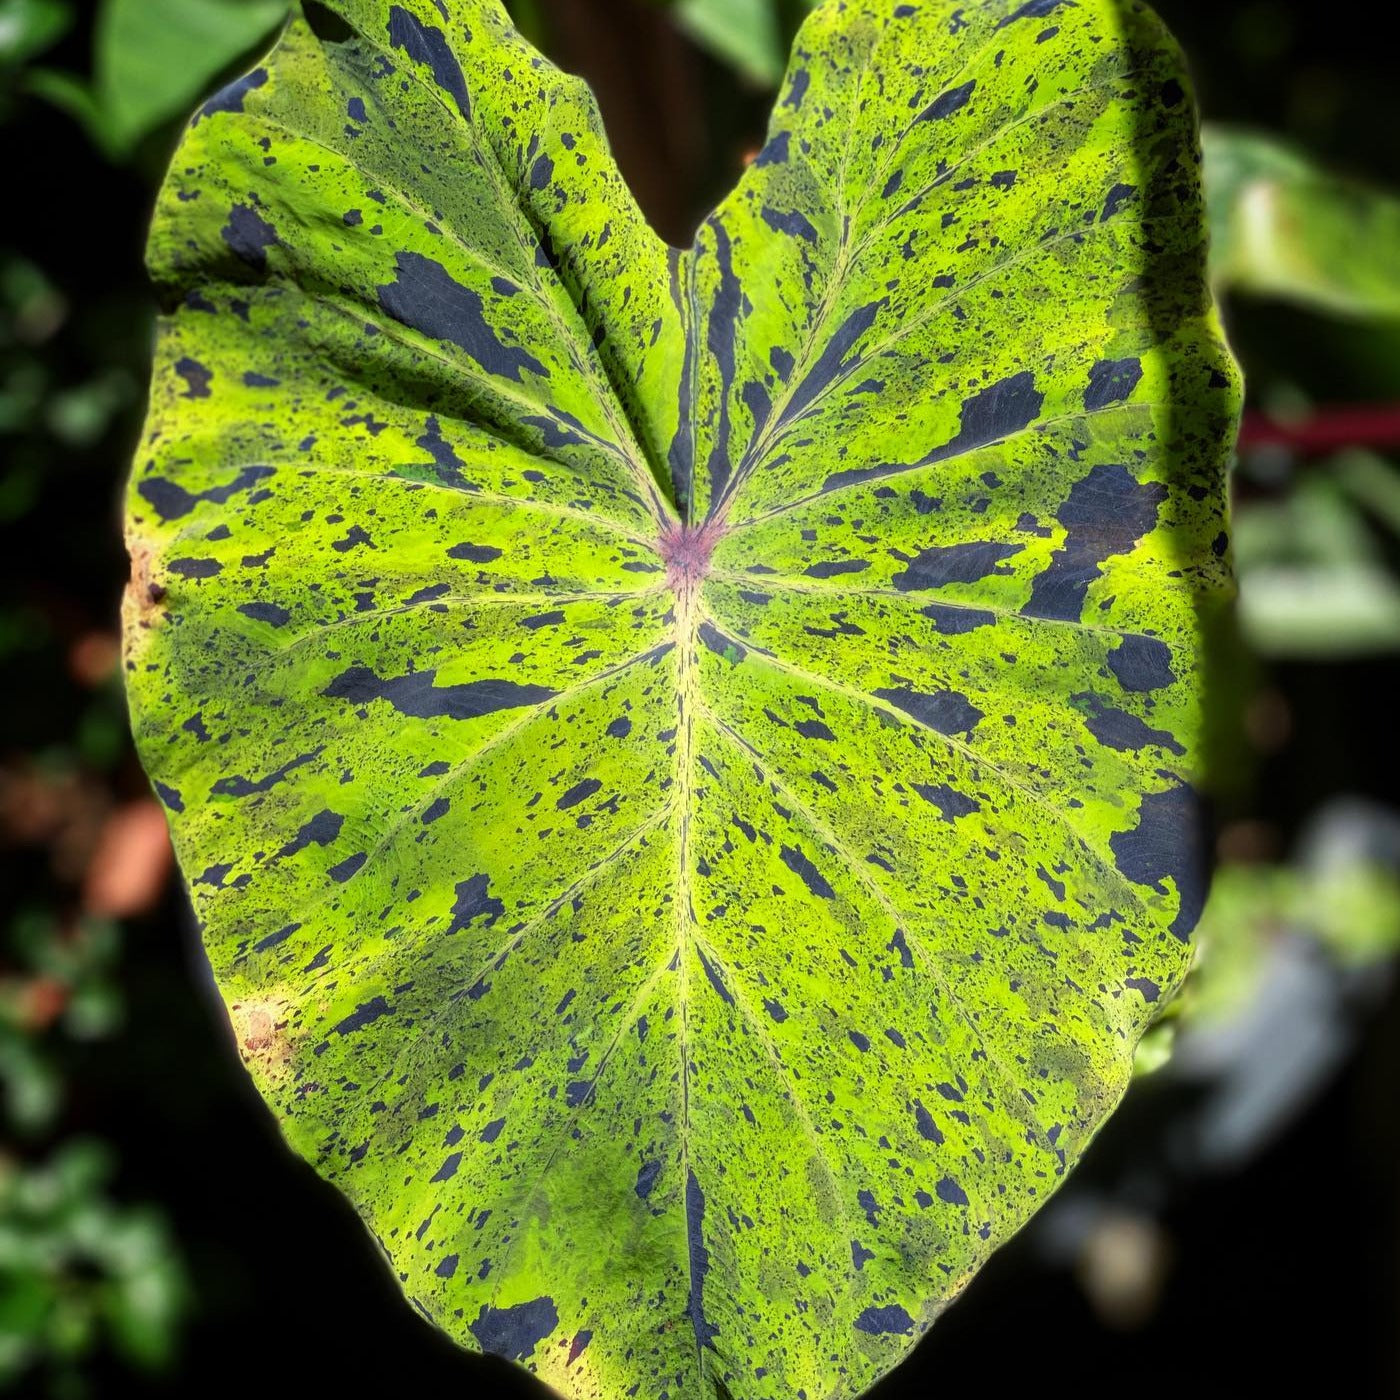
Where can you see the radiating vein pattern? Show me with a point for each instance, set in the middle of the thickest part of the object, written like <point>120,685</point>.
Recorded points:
<point>687,762</point>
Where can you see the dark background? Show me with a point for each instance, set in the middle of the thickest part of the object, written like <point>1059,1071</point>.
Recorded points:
<point>1274,1272</point>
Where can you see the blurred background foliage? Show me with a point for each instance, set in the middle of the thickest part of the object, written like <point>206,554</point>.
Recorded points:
<point>154,1236</point>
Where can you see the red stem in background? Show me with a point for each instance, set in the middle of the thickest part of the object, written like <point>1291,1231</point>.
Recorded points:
<point>1327,429</point>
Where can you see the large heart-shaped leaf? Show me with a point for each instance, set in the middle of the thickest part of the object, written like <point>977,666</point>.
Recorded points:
<point>685,761</point>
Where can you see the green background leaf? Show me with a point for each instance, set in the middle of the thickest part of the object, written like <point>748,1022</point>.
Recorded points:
<point>687,762</point>
<point>743,33</point>
<point>151,59</point>
<point>154,57</point>
<point>1282,227</point>
<point>28,27</point>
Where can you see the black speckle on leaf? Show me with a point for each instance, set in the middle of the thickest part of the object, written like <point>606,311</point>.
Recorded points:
<point>923,1121</point>
<point>197,377</point>
<point>515,1332</point>
<point>715,980</point>
<point>249,235</point>
<point>230,98</point>
<point>807,872</point>
<point>349,866</point>
<point>425,44</point>
<point>1116,198</point>
<point>832,568</point>
<point>954,563</point>
<point>171,501</point>
<point>705,1331</point>
<point>1168,842</point>
<point>364,1015</point>
<point>1033,9</point>
<point>1117,729</point>
<point>950,1192</point>
<point>646,1177</point>
<point>270,613</point>
<point>474,553</point>
<point>955,620</point>
<point>448,1169</point>
<point>945,104</point>
<point>321,830</point>
<point>195,568</point>
<point>880,1322</point>
<point>1111,381</point>
<point>951,804</point>
<point>474,900</point>
<point>541,172</point>
<point>425,297</point>
<point>792,222</point>
<point>775,152</point>
<point>415,694</point>
<point>580,792</point>
<point>947,711</point>
<point>169,795</point>
<point>1142,663</point>
<point>1105,514</point>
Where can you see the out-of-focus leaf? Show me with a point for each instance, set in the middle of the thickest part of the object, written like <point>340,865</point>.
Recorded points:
<point>1351,897</point>
<point>1154,1050</point>
<point>22,629</point>
<point>75,1268</point>
<point>1372,481</point>
<point>31,307</point>
<point>1342,893</point>
<point>30,1089</point>
<point>529,18</point>
<point>1288,954</point>
<point>1246,909</point>
<point>1311,576</point>
<point>155,57</point>
<point>1320,611</point>
<point>79,416</point>
<point>743,33</point>
<point>1282,227</point>
<point>28,27</point>
<point>72,94</point>
<point>19,486</point>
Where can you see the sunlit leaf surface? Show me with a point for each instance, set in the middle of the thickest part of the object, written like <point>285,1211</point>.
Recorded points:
<point>686,761</point>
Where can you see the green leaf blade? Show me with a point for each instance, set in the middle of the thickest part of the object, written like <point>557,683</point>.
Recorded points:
<point>1283,227</point>
<point>153,57</point>
<point>693,943</point>
<point>743,33</point>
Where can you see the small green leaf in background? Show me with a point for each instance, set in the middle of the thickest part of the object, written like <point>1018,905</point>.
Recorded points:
<point>1314,581</point>
<point>154,57</point>
<point>1282,227</point>
<point>743,33</point>
<point>151,60</point>
<point>1372,482</point>
<point>1341,894</point>
<point>28,27</point>
<point>78,1270</point>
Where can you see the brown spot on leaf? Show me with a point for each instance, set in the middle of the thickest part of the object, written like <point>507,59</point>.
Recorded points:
<point>144,592</point>
<point>260,1028</point>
